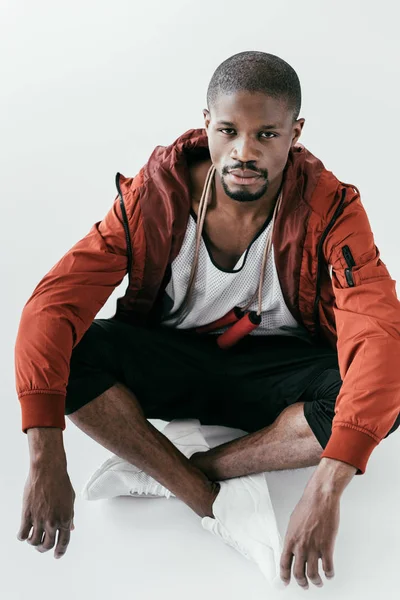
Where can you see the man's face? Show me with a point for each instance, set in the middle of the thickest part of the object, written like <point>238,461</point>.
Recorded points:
<point>238,139</point>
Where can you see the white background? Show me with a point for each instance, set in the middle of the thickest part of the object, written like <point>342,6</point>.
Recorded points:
<point>89,89</point>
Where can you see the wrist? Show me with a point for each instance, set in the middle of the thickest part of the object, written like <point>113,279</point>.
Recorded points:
<point>46,446</point>
<point>331,477</point>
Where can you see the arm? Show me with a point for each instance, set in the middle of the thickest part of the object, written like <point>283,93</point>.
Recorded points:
<point>367,313</point>
<point>61,309</point>
<point>53,321</point>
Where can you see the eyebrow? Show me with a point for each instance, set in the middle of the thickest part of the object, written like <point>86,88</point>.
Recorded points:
<point>261,127</point>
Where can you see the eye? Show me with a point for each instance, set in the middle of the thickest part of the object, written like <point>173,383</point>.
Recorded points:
<point>266,132</point>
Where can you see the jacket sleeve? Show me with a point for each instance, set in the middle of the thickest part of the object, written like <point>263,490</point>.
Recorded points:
<point>367,313</point>
<point>61,309</point>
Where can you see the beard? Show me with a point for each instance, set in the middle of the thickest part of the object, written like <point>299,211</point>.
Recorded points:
<point>243,194</point>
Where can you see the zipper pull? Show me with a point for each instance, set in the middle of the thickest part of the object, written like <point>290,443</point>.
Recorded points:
<point>349,277</point>
<point>351,263</point>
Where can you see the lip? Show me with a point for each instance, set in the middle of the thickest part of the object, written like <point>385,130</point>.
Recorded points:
<point>244,173</point>
<point>245,179</point>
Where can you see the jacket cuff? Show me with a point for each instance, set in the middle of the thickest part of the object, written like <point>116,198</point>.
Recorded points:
<point>350,446</point>
<point>42,410</point>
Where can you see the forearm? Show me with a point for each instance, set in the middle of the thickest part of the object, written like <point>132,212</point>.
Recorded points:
<point>46,445</point>
<point>331,477</point>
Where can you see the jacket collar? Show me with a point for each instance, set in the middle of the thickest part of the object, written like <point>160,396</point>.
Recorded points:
<point>168,167</point>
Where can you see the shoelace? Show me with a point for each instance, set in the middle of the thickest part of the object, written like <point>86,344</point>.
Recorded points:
<point>150,487</point>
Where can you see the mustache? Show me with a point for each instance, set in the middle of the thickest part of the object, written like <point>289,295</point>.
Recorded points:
<point>264,174</point>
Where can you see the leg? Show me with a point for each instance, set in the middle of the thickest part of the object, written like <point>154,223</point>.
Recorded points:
<point>116,421</point>
<point>288,443</point>
<point>294,440</point>
<point>110,361</point>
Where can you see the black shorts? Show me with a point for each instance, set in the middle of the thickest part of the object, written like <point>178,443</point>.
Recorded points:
<point>177,374</point>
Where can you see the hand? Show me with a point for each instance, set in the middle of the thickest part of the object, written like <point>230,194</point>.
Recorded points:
<point>48,507</point>
<point>311,535</point>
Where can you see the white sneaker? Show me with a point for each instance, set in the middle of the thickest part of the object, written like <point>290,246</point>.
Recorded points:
<point>245,520</point>
<point>117,477</point>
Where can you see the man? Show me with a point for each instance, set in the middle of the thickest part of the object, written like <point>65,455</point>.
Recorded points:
<point>310,369</point>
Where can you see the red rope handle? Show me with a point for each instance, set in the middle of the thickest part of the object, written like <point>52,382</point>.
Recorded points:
<point>239,330</point>
<point>231,317</point>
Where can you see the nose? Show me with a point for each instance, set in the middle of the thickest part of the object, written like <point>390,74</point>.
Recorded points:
<point>244,150</point>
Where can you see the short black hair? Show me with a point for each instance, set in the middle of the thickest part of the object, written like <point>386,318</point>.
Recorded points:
<point>255,71</point>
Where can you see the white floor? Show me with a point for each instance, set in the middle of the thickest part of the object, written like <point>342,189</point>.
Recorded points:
<point>157,547</point>
<point>89,89</point>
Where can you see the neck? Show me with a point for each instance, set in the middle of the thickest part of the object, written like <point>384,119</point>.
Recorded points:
<point>245,211</point>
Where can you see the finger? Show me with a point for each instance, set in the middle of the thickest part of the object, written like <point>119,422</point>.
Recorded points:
<point>37,534</point>
<point>327,564</point>
<point>62,542</point>
<point>25,529</point>
<point>312,569</point>
<point>286,565</point>
<point>299,570</point>
<point>49,539</point>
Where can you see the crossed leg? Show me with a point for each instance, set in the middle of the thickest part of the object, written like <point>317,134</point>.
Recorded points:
<point>162,366</point>
<point>116,421</point>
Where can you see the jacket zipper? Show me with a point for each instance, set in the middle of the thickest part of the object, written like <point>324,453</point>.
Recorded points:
<point>337,213</point>
<point>350,263</point>
<point>126,226</point>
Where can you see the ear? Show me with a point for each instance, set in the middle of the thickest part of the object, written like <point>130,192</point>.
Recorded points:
<point>297,130</point>
<point>207,118</point>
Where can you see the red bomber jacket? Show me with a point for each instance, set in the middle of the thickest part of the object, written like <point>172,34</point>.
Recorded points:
<point>332,278</point>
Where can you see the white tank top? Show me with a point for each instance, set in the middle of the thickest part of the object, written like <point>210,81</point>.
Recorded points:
<point>217,290</point>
